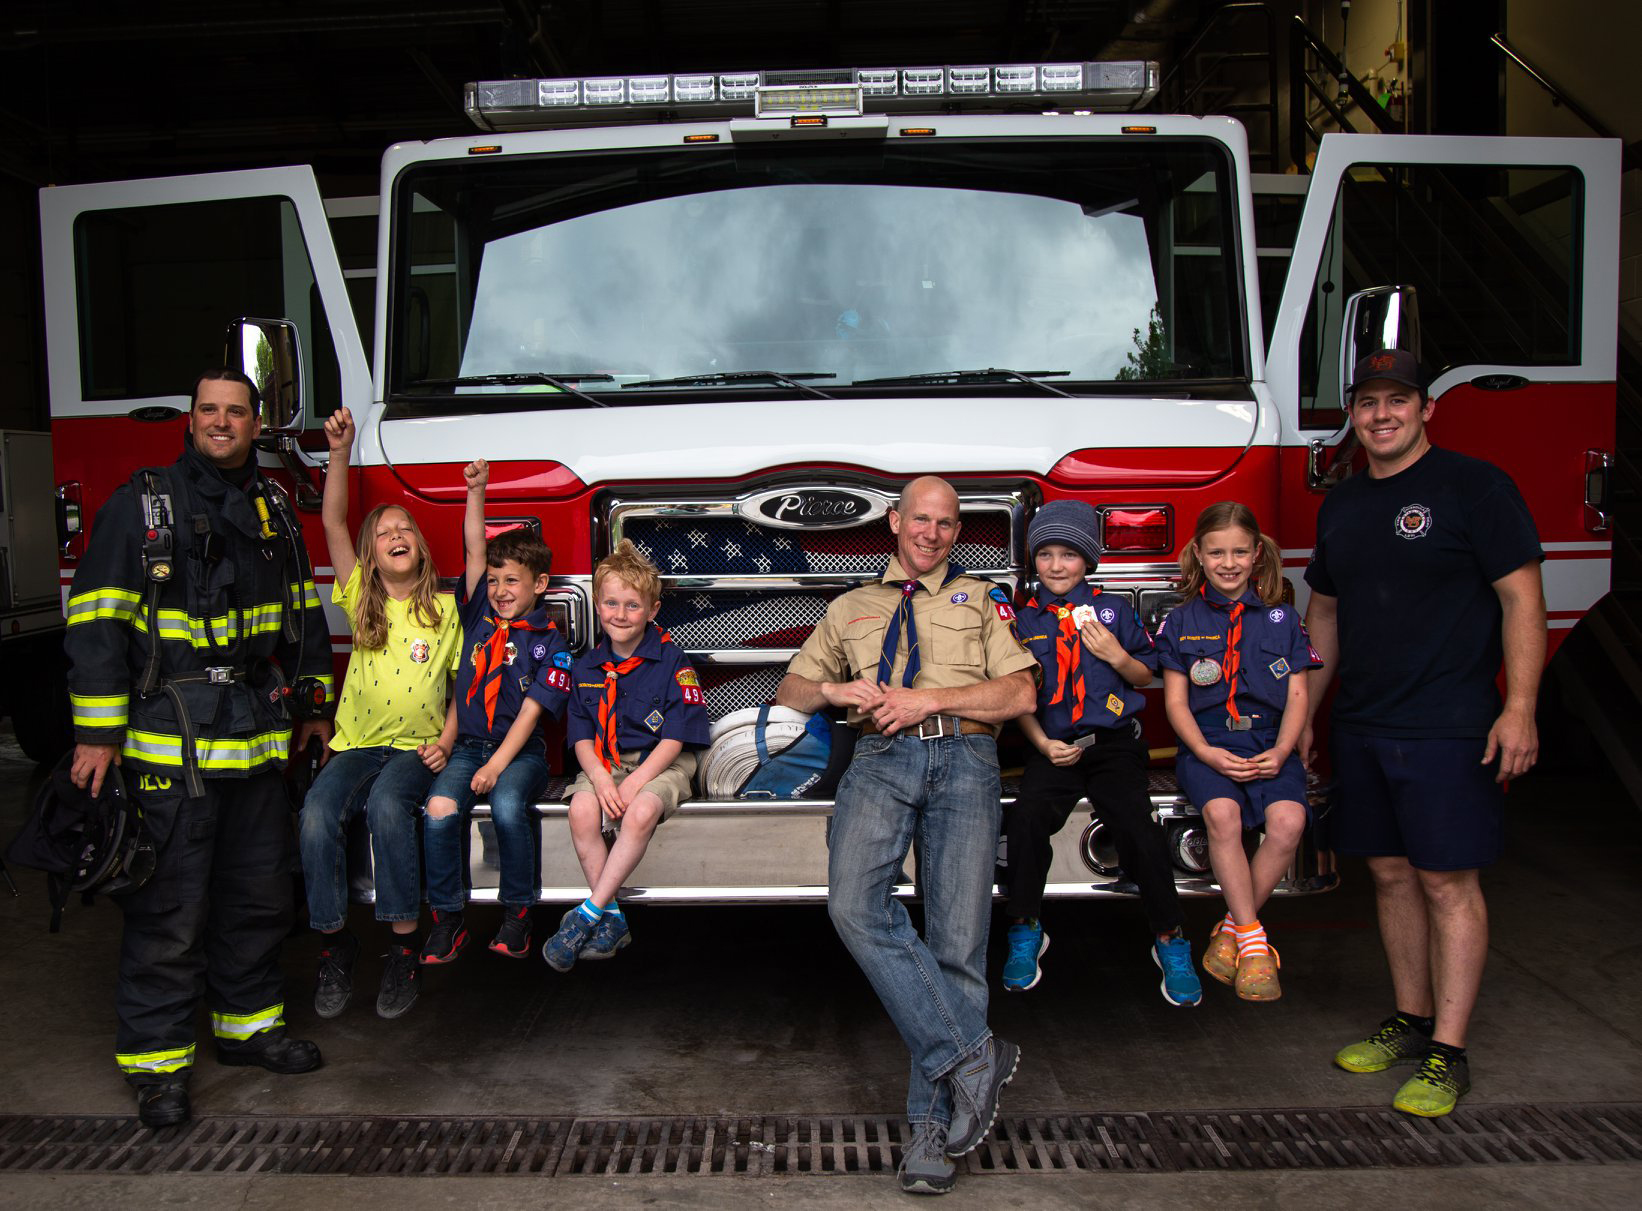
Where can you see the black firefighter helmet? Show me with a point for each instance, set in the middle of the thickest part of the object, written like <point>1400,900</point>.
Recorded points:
<point>84,843</point>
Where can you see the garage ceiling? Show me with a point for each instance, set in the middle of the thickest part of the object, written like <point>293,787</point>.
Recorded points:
<point>98,90</point>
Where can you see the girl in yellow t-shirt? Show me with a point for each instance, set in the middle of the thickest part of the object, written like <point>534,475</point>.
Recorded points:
<point>390,733</point>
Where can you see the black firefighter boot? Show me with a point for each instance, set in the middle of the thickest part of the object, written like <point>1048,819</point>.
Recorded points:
<point>162,1101</point>
<point>271,1049</point>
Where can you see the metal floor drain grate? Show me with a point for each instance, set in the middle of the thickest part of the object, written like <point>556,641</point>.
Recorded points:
<point>761,1145</point>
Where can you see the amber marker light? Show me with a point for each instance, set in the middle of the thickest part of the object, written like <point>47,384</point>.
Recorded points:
<point>485,149</point>
<point>701,138</point>
<point>913,132</point>
<point>1140,130</point>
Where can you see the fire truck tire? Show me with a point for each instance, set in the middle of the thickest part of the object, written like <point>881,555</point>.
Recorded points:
<point>39,707</point>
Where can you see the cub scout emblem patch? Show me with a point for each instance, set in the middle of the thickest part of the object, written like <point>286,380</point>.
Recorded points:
<point>1413,522</point>
<point>1114,704</point>
<point>1279,668</point>
<point>959,598</point>
<point>419,651</point>
<point>653,721</point>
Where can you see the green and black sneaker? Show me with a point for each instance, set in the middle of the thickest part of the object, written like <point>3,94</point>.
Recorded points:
<point>1395,1042</point>
<point>1436,1088</point>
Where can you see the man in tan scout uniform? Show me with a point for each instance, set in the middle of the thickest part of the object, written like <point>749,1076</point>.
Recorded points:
<point>927,663</point>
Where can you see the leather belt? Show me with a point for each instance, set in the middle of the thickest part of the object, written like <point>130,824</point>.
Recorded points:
<point>934,728</point>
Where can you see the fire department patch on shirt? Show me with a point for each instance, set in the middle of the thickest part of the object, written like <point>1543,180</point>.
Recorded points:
<point>1114,704</point>
<point>512,653</point>
<point>653,721</point>
<point>1279,668</point>
<point>419,651</point>
<point>1414,521</point>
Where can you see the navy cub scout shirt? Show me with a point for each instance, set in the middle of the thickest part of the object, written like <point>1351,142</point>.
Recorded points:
<point>661,699</point>
<point>1107,699</point>
<point>1413,558</point>
<point>538,667</point>
<point>1274,646</point>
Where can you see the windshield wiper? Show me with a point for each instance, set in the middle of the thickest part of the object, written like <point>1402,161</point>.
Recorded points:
<point>991,375</point>
<point>742,376</point>
<point>525,378</point>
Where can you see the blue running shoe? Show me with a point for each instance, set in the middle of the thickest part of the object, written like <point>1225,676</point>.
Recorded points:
<point>608,936</point>
<point>561,949</point>
<point>1180,983</point>
<point>1027,942</point>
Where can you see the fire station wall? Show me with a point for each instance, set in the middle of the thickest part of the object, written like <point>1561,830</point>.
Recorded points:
<point>22,402</point>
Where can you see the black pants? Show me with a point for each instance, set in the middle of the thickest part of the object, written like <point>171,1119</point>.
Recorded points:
<point>211,920</point>
<point>1112,776</point>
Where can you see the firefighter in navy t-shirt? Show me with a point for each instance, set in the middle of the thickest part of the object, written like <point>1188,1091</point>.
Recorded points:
<point>1424,579</point>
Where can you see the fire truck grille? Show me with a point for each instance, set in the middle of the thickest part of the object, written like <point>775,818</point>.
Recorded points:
<point>701,620</point>
<point>734,688</point>
<point>729,546</point>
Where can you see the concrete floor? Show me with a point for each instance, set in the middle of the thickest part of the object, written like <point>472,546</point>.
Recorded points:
<point>759,1011</point>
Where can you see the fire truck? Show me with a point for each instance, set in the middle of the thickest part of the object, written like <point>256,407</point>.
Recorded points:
<point>727,315</point>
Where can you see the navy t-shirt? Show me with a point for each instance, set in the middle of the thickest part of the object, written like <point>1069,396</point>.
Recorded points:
<point>1412,559</point>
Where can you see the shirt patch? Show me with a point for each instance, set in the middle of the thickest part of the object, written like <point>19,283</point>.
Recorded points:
<point>420,651</point>
<point>653,721</point>
<point>562,660</point>
<point>1315,658</point>
<point>1279,668</point>
<point>959,597</point>
<point>1276,615</point>
<point>1108,615</point>
<point>539,651</point>
<point>1114,704</point>
<point>692,695</point>
<point>512,653</point>
<point>1414,521</point>
<point>558,679</point>
<point>687,677</point>
<point>524,684</point>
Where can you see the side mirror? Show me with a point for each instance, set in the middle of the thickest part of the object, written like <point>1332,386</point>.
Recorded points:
<point>1386,317</point>
<point>269,353</point>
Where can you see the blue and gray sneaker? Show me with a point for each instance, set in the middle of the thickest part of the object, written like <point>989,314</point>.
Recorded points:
<point>1027,942</point>
<point>561,949</point>
<point>608,936</point>
<point>925,1167</point>
<point>1180,983</point>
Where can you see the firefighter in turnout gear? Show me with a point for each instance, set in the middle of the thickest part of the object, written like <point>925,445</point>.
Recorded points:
<point>193,625</point>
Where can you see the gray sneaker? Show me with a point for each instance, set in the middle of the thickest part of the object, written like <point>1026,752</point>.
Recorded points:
<point>335,986</point>
<point>925,1166</point>
<point>977,1086</point>
<point>608,936</point>
<point>561,949</point>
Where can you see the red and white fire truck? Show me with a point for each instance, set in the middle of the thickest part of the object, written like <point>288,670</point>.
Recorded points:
<point>726,316</point>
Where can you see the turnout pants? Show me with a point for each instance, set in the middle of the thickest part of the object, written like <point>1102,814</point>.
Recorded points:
<point>211,920</point>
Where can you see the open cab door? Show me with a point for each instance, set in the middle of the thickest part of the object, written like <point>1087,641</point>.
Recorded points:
<point>1510,248</point>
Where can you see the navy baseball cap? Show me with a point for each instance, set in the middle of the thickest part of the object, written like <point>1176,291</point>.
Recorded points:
<point>1393,365</point>
<point>1071,523</point>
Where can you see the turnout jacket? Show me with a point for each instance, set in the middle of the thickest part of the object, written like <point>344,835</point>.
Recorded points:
<point>236,619</point>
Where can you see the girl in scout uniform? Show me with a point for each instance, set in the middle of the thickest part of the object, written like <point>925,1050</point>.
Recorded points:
<point>1234,661</point>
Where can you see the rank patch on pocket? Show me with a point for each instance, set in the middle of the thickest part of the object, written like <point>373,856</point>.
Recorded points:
<point>653,721</point>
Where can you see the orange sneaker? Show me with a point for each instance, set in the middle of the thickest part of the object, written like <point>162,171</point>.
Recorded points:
<point>1220,957</point>
<point>1257,976</point>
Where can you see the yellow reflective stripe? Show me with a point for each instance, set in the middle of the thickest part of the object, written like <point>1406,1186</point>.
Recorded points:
<point>329,682</point>
<point>244,1025</point>
<point>91,710</point>
<point>103,603</point>
<point>179,627</point>
<point>228,753</point>
<point>305,593</point>
<point>155,1061</point>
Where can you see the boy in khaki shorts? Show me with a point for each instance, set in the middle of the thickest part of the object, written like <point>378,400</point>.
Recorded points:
<point>636,715</point>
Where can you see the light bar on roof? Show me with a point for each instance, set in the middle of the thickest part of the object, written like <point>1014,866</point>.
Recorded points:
<point>960,88</point>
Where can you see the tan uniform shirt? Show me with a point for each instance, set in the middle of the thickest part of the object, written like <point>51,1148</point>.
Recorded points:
<point>964,636</point>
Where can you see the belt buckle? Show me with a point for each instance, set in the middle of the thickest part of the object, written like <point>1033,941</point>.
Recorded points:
<point>219,675</point>
<point>1242,724</point>
<point>941,722</point>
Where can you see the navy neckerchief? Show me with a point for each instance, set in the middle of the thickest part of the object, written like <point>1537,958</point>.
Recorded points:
<point>903,616</point>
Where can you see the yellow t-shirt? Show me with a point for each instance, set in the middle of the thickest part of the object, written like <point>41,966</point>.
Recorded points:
<point>395,696</point>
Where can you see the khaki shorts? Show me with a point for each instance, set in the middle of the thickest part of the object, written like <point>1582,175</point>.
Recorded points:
<point>672,786</point>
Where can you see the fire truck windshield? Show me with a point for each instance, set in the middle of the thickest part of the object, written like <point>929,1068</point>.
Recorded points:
<point>1108,260</point>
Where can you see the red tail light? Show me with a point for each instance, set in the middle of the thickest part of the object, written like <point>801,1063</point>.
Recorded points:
<point>70,526</point>
<point>1136,530</point>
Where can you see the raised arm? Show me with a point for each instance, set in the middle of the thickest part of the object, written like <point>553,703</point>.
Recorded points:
<point>477,475</point>
<point>339,435</point>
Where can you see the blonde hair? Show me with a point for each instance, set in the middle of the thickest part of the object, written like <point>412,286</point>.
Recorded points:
<point>370,619</point>
<point>628,564</point>
<point>1267,577</point>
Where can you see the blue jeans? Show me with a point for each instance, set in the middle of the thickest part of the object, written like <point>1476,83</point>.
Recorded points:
<point>944,794</point>
<point>512,812</point>
<point>389,786</point>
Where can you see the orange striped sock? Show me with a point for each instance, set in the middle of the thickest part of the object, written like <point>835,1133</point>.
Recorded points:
<point>1251,940</point>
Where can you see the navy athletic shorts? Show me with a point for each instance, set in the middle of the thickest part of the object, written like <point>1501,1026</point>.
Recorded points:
<point>1201,783</point>
<point>1430,800</point>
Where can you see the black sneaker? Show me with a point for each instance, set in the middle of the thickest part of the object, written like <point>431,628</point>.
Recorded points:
<point>399,982</point>
<point>513,938</point>
<point>335,974</point>
<point>445,939</point>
